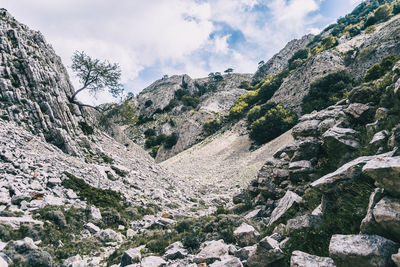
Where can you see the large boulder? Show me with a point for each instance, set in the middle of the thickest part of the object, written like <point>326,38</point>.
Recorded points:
<point>246,235</point>
<point>387,215</point>
<point>308,128</point>
<point>302,259</point>
<point>131,256</point>
<point>152,261</point>
<point>109,235</point>
<point>362,250</point>
<point>267,252</point>
<point>338,140</point>
<point>284,204</point>
<point>211,251</point>
<point>227,261</point>
<point>386,171</point>
<point>175,251</point>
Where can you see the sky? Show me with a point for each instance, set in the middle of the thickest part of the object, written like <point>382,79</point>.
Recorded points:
<point>152,38</point>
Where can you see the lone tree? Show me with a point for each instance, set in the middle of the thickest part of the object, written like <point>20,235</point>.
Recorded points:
<point>230,70</point>
<point>96,75</point>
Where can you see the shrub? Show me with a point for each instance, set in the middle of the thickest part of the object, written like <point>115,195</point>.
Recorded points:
<point>171,140</point>
<point>270,85</point>
<point>245,85</point>
<point>276,121</point>
<point>298,57</point>
<point>329,42</point>
<point>211,127</point>
<point>396,8</point>
<point>180,93</point>
<point>355,30</point>
<point>154,151</point>
<point>149,132</point>
<point>148,103</point>
<point>327,91</point>
<point>86,128</point>
<point>99,197</point>
<point>254,114</point>
<point>378,70</point>
<point>190,101</point>
<point>382,12</point>
<point>370,29</point>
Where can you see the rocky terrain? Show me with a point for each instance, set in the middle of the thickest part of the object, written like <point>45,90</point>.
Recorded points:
<point>76,189</point>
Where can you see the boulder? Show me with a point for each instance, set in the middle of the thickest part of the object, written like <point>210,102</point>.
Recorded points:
<point>308,128</point>
<point>284,204</point>
<point>386,171</point>
<point>246,235</point>
<point>131,256</point>
<point>368,224</point>
<point>396,258</point>
<point>302,259</point>
<point>92,228</point>
<point>109,235</point>
<point>175,251</point>
<point>302,222</point>
<point>211,251</point>
<point>339,140</point>
<point>95,213</point>
<point>358,111</point>
<point>379,138</point>
<point>152,261</point>
<point>387,215</point>
<point>227,261</point>
<point>246,252</point>
<point>362,250</point>
<point>300,170</point>
<point>267,252</point>
<point>75,261</point>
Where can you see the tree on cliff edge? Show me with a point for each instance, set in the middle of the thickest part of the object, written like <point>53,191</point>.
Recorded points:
<point>96,75</point>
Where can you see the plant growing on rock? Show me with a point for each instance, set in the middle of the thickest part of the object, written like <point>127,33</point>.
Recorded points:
<point>95,75</point>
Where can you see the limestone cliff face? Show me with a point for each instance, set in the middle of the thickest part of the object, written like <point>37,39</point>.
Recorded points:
<point>34,85</point>
<point>356,54</point>
<point>280,60</point>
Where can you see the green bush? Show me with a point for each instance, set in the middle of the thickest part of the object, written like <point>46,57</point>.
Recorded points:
<point>327,91</point>
<point>180,93</point>
<point>380,69</point>
<point>270,85</point>
<point>382,12</point>
<point>148,103</point>
<point>149,132</point>
<point>329,42</point>
<point>299,56</point>
<point>396,8</point>
<point>276,121</point>
<point>86,128</point>
<point>99,197</point>
<point>170,140</point>
<point>370,29</point>
<point>190,101</point>
<point>211,127</point>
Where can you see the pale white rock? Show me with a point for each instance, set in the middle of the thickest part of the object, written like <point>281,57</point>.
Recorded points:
<point>211,251</point>
<point>131,256</point>
<point>152,261</point>
<point>284,204</point>
<point>92,228</point>
<point>246,235</point>
<point>227,261</point>
<point>302,259</point>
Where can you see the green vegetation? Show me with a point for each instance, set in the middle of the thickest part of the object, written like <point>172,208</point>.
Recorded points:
<point>86,128</point>
<point>154,141</point>
<point>148,103</point>
<point>190,101</point>
<point>211,127</point>
<point>98,197</point>
<point>298,58</point>
<point>273,123</point>
<point>370,29</point>
<point>327,91</point>
<point>380,69</point>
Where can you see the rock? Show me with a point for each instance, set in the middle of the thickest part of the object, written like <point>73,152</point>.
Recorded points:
<point>17,199</point>
<point>307,128</point>
<point>252,214</point>
<point>396,258</point>
<point>175,251</point>
<point>381,113</point>
<point>246,235</point>
<point>299,170</point>
<point>54,182</point>
<point>246,252</point>
<point>95,213</point>
<point>387,215</point>
<point>152,261</point>
<point>386,171</point>
<point>130,233</point>
<point>302,259</point>
<point>92,228</point>
<point>368,224</point>
<point>131,256</point>
<point>379,138</point>
<point>344,174</point>
<point>358,111</point>
<point>340,140</point>
<point>361,250</point>
<point>211,251</point>
<point>227,261</point>
<point>75,261</point>
<point>302,222</point>
<point>267,252</point>
<point>109,235</point>
<point>284,204</point>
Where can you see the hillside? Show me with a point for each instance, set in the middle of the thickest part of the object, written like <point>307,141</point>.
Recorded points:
<point>297,165</point>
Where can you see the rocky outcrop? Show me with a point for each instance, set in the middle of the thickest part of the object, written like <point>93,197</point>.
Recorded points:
<point>302,259</point>
<point>280,60</point>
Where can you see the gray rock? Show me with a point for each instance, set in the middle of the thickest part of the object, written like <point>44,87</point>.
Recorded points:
<point>307,128</point>
<point>396,258</point>
<point>211,251</point>
<point>75,261</point>
<point>301,223</point>
<point>387,215</point>
<point>131,256</point>
<point>175,251</point>
<point>246,235</point>
<point>17,199</point>
<point>267,252</point>
<point>252,214</point>
<point>108,235</point>
<point>284,204</point>
<point>340,140</point>
<point>302,259</point>
<point>379,138</point>
<point>54,182</point>
<point>130,233</point>
<point>92,228</point>
<point>95,213</point>
<point>152,261</point>
<point>357,110</point>
<point>368,224</point>
<point>362,250</point>
<point>386,171</point>
<point>227,261</point>
<point>246,252</point>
